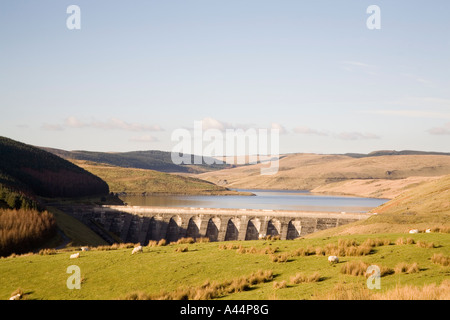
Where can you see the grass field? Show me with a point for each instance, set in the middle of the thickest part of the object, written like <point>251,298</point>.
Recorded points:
<point>116,274</point>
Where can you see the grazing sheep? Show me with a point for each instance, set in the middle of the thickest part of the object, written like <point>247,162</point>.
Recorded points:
<point>137,249</point>
<point>84,248</point>
<point>414,231</point>
<point>428,231</point>
<point>333,259</point>
<point>75,255</point>
<point>16,297</point>
<point>261,236</point>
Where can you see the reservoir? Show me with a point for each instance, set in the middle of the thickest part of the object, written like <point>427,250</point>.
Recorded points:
<point>264,199</point>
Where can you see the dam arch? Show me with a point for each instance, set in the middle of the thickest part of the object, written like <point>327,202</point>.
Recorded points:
<point>253,229</point>
<point>213,228</point>
<point>232,232</point>
<point>273,227</point>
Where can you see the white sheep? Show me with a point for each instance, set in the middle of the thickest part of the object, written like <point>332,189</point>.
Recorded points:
<point>84,248</point>
<point>137,249</point>
<point>428,231</point>
<point>75,255</point>
<point>16,297</point>
<point>414,231</point>
<point>333,259</point>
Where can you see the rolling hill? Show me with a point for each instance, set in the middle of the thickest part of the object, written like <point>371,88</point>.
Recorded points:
<point>27,172</point>
<point>152,160</point>
<point>331,173</point>
<point>425,206</point>
<point>134,181</point>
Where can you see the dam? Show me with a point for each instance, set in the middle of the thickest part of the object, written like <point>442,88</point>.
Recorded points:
<point>138,224</point>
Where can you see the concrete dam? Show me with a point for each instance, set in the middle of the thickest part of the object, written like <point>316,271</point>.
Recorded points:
<point>143,224</point>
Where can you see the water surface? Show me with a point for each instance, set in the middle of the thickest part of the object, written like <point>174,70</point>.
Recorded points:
<point>264,199</point>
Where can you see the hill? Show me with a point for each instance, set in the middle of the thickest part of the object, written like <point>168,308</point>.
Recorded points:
<point>425,206</point>
<point>134,181</point>
<point>152,160</point>
<point>310,171</point>
<point>27,172</point>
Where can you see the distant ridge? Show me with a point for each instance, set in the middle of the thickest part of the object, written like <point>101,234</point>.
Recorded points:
<point>395,153</point>
<point>151,159</point>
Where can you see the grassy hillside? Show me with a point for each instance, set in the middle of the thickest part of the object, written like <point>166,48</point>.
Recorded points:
<point>422,207</point>
<point>142,181</point>
<point>309,171</point>
<point>302,272</point>
<point>152,160</point>
<point>25,169</point>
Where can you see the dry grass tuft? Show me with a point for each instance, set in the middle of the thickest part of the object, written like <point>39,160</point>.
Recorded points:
<point>402,241</point>
<point>423,244</point>
<point>280,257</point>
<point>208,290</point>
<point>182,249</point>
<point>358,291</point>
<point>439,258</point>
<point>404,267</point>
<point>301,278</point>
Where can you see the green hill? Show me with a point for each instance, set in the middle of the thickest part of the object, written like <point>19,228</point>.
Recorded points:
<point>27,172</point>
<point>134,181</point>
<point>152,160</point>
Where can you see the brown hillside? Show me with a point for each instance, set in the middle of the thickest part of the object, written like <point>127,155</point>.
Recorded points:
<point>310,171</point>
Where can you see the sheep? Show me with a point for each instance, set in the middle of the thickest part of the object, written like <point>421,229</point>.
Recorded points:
<point>75,255</point>
<point>16,297</point>
<point>137,249</point>
<point>262,236</point>
<point>428,231</point>
<point>333,259</point>
<point>84,248</point>
<point>414,231</point>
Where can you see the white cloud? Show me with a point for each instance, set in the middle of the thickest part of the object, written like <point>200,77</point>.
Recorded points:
<point>278,126</point>
<point>211,123</point>
<point>444,130</point>
<point>111,124</point>
<point>144,138</point>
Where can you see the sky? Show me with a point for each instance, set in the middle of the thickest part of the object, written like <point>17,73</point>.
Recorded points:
<point>138,70</point>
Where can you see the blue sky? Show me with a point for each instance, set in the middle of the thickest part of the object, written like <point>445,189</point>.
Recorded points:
<point>137,70</point>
